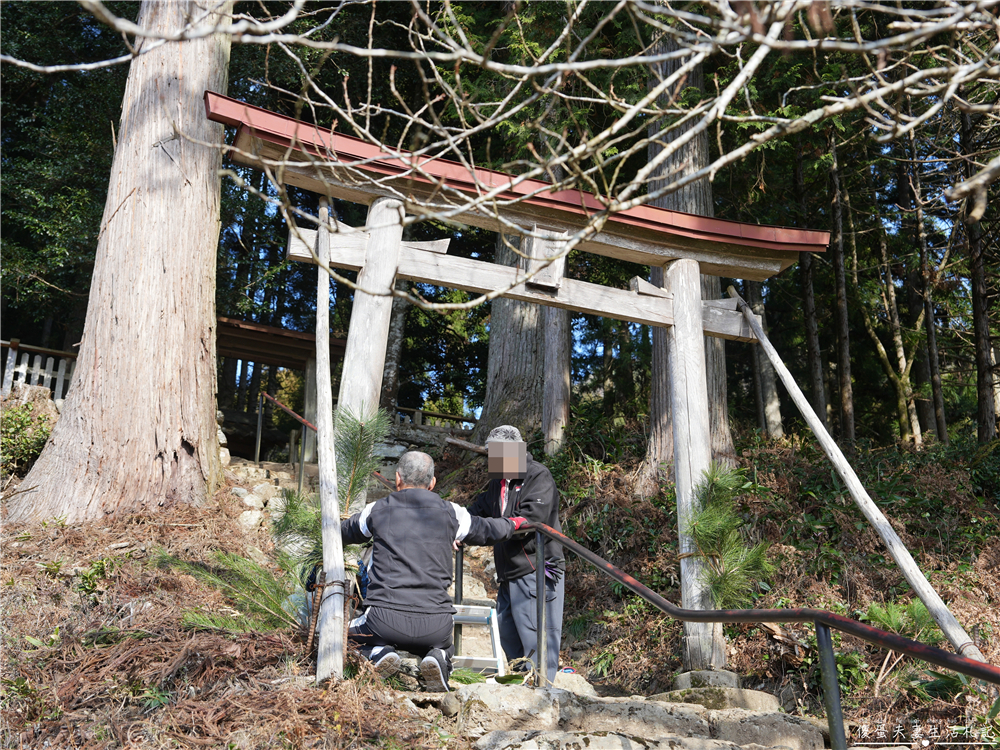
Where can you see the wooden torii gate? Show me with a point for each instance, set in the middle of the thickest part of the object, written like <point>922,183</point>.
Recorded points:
<point>339,166</point>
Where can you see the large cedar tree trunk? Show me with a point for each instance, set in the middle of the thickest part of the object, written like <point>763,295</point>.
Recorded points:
<point>515,373</point>
<point>694,198</point>
<point>138,430</point>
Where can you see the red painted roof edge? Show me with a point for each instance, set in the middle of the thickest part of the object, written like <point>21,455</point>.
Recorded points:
<point>321,142</point>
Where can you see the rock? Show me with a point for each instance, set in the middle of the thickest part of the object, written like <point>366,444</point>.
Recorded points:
<point>410,707</point>
<point>488,707</point>
<point>593,741</point>
<point>701,678</point>
<point>824,727</point>
<point>266,492</point>
<point>224,456</point>
<point>743,727</point>
<point>222,438</point>
<point>254,502</point>
<point>257,555</point>
<point>472,588</point>
<point>450,705</point>
<point>722,697</point>
<point>574,683</point>
<point>239,491</point>
<point>251,519</point>
<point>389,450</point>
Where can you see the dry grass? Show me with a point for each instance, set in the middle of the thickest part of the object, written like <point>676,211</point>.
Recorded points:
<point>103,662</point>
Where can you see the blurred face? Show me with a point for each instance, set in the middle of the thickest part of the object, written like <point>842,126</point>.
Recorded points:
<point>507,460</point>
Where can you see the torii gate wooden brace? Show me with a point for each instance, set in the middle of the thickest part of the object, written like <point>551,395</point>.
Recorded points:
<point>335,165</point>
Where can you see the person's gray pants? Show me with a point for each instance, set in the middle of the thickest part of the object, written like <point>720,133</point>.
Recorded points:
<point>517,617</point>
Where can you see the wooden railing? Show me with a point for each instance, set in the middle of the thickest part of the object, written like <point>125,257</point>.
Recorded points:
<point>36,365</point>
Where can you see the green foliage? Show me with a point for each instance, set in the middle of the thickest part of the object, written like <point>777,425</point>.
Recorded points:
<point>32,703</point>
<point>257,593</point>
<point>22,437</point>
<point>603,663</point>
<point>466,676</point>
<point>298,522</point>
<point>911,619</point>
<point>355,443</point>
<point>733,566</point>
<point>98,571</point>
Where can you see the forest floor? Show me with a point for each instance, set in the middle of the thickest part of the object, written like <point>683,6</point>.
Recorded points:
<point>95,653</point>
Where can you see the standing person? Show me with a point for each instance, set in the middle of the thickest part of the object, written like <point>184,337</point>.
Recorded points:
<point>520,486</point>
<point>407,604</point>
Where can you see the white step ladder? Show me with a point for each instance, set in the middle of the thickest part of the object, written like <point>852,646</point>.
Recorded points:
<point>474,614</point>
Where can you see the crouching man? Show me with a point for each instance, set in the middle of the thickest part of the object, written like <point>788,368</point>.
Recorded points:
<point>407,606</point>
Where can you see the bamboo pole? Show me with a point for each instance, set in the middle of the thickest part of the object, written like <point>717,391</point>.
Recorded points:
<point>953,631</point>
<point>330,652</point>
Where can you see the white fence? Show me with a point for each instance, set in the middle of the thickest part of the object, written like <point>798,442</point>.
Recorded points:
<point>34,365</point>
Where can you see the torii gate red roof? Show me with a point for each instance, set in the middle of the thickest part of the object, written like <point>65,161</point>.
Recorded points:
<point>267,134</point>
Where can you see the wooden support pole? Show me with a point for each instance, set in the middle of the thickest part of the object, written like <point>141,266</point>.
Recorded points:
<point>703,643</point>
<point>953,631</point>
<point>364,355</point>
<point>330,652</point>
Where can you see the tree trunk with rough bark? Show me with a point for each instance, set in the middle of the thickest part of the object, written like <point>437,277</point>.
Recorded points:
<point>556,390</point>
<point>693,198</point>
<point>770,404</point>
<point>813,351</point>
<point>138,430</point>
<point>843,328</point>
<point>393,351</point>
<point>986,415</point>
<point>515,372</point>
<point>931,410</point>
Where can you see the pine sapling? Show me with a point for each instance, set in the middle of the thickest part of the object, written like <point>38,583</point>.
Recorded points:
<point>733,565</point>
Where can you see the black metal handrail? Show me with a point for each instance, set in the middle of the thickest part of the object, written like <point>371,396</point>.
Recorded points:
<point>822,619</point>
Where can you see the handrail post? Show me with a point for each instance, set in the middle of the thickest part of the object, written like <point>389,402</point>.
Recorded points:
<point>459,585</point>
<point>260,426</point>
<point>831,688</point>
<point>302,457</point>
<point>541,655</point>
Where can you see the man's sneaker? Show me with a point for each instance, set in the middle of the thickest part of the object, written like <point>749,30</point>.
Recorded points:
<point>387,662</point>
<point>434,669</point>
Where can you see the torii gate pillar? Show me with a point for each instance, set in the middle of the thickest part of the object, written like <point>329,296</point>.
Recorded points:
<point>703,643</point>
<point>364,355</point>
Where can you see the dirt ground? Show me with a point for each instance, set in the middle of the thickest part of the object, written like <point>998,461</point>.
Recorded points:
<point>95,655</point>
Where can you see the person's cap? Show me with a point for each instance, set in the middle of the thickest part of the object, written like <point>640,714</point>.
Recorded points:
<point>505,433</point>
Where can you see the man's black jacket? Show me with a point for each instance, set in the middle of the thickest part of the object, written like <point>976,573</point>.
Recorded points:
<point>535,498</point>
<point>412,532</point>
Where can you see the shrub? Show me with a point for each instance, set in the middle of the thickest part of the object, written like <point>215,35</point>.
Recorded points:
<point>22,437</point>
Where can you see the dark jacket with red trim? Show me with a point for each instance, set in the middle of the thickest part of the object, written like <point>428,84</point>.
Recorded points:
<point>535,498</point>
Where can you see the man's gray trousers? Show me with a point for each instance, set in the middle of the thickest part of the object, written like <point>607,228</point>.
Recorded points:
<point>517,617</point>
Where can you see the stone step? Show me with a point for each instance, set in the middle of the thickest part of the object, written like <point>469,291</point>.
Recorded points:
<point>552,718</point>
